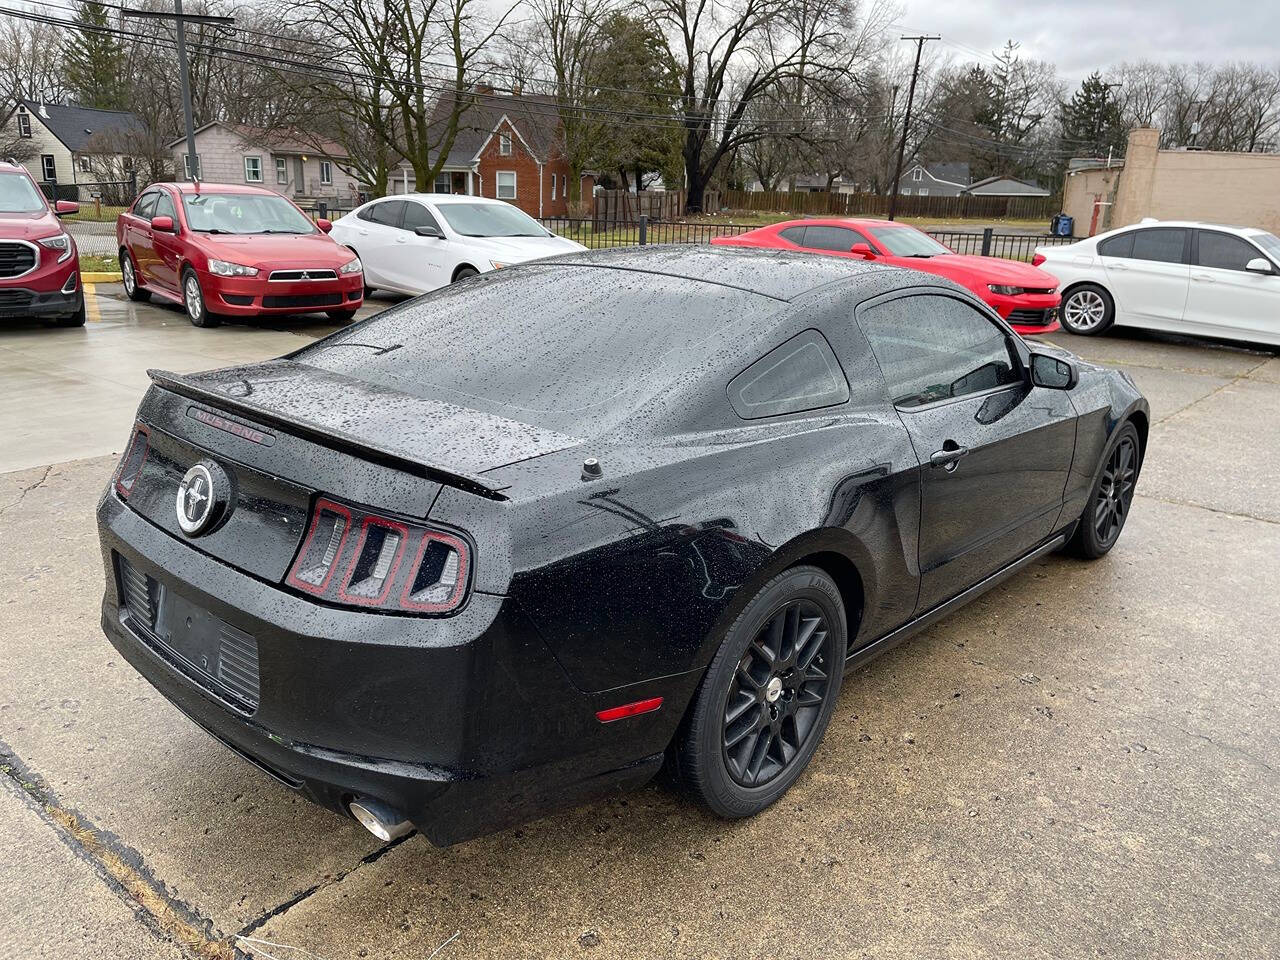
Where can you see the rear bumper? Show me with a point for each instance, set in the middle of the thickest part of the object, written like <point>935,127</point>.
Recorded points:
<point>466,724</point>
<point>255,296</point>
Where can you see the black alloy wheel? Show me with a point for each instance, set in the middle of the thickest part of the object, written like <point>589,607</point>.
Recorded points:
<point>777,694</point>
<point>1108,508</point>
<point>767,695</point>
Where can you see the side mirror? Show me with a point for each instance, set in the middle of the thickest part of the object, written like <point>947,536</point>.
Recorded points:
<point>862,250</point>
<point>162,223</point>
<point>1259,265</point>
<point>426,230</point>
<point>65,207</point>
<point>324,225</point>
<point>1053,373</point>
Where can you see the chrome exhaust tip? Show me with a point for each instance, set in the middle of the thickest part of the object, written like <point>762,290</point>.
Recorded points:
<point>382,820</point>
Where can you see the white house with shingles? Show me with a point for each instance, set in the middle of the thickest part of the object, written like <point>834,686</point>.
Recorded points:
<point>68,143</point>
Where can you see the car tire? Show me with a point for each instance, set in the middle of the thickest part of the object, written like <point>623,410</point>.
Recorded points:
<point>129,277</point>
<point>767,697</point>
<point>194,303</point>
<point>465,272</point>
<point>1111,498</point>
<point>76,319</point>
<point>340,316</point>
<point>1087,310</point>
<point>368,292</point>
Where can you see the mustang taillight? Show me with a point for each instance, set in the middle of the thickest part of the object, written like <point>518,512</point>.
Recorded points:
<point>353,557</point>
<point>132,461</point>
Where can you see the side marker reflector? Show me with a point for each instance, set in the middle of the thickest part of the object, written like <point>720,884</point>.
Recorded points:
<point>629,710</point>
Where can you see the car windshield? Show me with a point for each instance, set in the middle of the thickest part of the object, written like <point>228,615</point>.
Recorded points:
<point>489,220</point>
<point>243,213</point>
<point>908,242</point>
<point>1268,242</point>
<point>19,195</point>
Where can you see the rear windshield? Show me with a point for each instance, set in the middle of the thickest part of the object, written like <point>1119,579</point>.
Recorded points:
<point>570,349</point>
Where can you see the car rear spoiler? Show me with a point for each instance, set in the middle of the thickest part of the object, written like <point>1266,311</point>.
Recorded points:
<point>328,437</point>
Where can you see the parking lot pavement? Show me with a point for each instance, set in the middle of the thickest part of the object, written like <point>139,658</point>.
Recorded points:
<point>1082,763</point>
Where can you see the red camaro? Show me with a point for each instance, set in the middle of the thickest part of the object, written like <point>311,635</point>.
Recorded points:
<point>228,250</point>
<point>39,267</point>
<point>1024,296</point>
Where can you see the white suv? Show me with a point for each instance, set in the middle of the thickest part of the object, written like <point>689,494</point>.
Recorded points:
<point>1176,276</point>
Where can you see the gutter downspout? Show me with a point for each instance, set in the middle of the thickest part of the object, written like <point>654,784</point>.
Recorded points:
<point>540,179</point>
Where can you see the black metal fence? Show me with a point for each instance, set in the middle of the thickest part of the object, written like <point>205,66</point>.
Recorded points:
<point>98,194</point>
<point>597,234</point>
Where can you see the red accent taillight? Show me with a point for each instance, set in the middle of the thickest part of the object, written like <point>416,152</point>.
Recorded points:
<point>629,710</point>
<point>131,463</point>
<point>1038,259</point>
<point>371,563</point>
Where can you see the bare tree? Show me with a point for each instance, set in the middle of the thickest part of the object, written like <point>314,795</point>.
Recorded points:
<point>30,61</point>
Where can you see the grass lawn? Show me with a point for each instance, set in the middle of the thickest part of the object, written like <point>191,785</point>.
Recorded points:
<point>94,263</point>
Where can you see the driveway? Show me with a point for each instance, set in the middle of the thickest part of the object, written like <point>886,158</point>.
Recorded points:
<point>1084,762</point>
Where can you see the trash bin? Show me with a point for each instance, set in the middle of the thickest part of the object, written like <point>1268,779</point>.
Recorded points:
<point>1061,225</point>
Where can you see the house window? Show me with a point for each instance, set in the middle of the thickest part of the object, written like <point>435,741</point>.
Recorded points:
<point>506,184</point>
<point>504,144</point>
<point>84,164</point>
<point>48,168</point>
<point>127,164</point>
<point>24,124</point>
<point>186,168</point>
<point>917,174</point>
<point>906,191</point>
<point>282,170</point>
<point>923,192</point>
<point>553,186</point>
<point>442,183</point>
<point>326,172</point>
<point>252,169</point>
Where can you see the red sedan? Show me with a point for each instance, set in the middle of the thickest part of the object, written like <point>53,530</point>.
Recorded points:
<point>1024,296</point>
<point>225,250</point>
<point>39,267</point>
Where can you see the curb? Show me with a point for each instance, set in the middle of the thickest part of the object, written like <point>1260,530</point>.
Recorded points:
<point>100,277</point>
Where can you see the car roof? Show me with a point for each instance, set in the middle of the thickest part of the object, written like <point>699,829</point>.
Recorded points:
<point>780,274</point>
<point>443,198</point>
<point>202,187</point>
<point>6,167</point>
<point>1201,224</point>
<point>841,222</point>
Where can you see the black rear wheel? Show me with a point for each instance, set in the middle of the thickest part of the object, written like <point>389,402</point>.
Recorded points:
<point>465,272</point>
<point>341,316</point>
<point>767,696</point>
<point>1108,507</point>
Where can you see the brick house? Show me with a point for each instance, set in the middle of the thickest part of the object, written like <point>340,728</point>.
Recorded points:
<point>507,148</point>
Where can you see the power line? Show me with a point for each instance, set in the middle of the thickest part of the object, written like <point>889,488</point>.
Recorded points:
<point>920,40</point>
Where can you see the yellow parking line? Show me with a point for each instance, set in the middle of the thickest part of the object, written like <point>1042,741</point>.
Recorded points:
<point>91,303</point>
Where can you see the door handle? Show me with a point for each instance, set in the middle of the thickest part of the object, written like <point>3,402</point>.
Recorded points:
<point>1117,266</point>
<point>949,456</point>
<point>1203,278</point>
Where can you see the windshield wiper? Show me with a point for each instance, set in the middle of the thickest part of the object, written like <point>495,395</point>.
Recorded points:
<point>297,233</point>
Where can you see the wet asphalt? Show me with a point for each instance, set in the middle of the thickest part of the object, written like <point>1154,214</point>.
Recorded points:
<point>1083,763</point>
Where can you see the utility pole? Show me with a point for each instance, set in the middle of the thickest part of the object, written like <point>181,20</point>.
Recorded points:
<point>906,123</point>
<point>1102,118</point>
<point>184,70</point>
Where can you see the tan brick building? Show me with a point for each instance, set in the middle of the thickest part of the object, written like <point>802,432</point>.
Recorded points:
<point>1235,188</point>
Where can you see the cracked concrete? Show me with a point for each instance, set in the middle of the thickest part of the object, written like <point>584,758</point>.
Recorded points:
<point>1083,762</point>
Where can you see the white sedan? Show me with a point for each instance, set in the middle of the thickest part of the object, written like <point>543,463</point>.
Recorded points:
<point>1175,276</point>
<point>415,242</point>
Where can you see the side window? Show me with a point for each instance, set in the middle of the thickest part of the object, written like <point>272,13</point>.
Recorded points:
<point>794,234</point>
<point>146,203</point>
<point>1160,243</point>
<point>801,374</point>
<point>164,207</point>
<point>386,213</point>
<point>1224,251</point>
<point>934,348</point>
<point>839,239</point>
<point>1118,246</point>
<point>416,215</point>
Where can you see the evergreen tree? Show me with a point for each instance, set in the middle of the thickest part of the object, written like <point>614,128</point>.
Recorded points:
<point>1091,120</point>
<point>94,61</point>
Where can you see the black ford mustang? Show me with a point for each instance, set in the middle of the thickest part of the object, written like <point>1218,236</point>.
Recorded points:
<point>510,545</point>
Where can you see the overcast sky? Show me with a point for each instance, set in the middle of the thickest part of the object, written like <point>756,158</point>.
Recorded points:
<point>1081,36</point>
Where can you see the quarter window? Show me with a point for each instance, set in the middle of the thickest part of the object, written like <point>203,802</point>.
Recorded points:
<point>386,213</point>
<point>934,348</point>
<point>1118,246</point>
<point>802,374</point>
<point>506,184</point>
<point>1162,244</point>
<point>1223,251</point>
<point>794,234</point>
<point>252,169</point>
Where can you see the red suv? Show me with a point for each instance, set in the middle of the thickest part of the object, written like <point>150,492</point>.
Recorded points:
<point>39,266</point>
<point>226,250</point>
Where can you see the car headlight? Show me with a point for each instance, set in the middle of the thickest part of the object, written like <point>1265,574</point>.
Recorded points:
<point>497,264</point>
<point>224,269</point>
<point>351,266</point>
<point>1005,290</point>
<point>61,243</point>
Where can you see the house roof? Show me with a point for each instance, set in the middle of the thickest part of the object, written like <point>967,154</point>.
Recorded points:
<point>953,172</point>
<point>75,125</point>
<point>535,116</point>
<point>274,141</point>
<point>1007,187</point>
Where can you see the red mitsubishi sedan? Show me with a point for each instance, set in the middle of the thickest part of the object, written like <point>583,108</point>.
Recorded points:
<point>1024,296</point>
<point>39,266</point>
<point>224,250</point>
